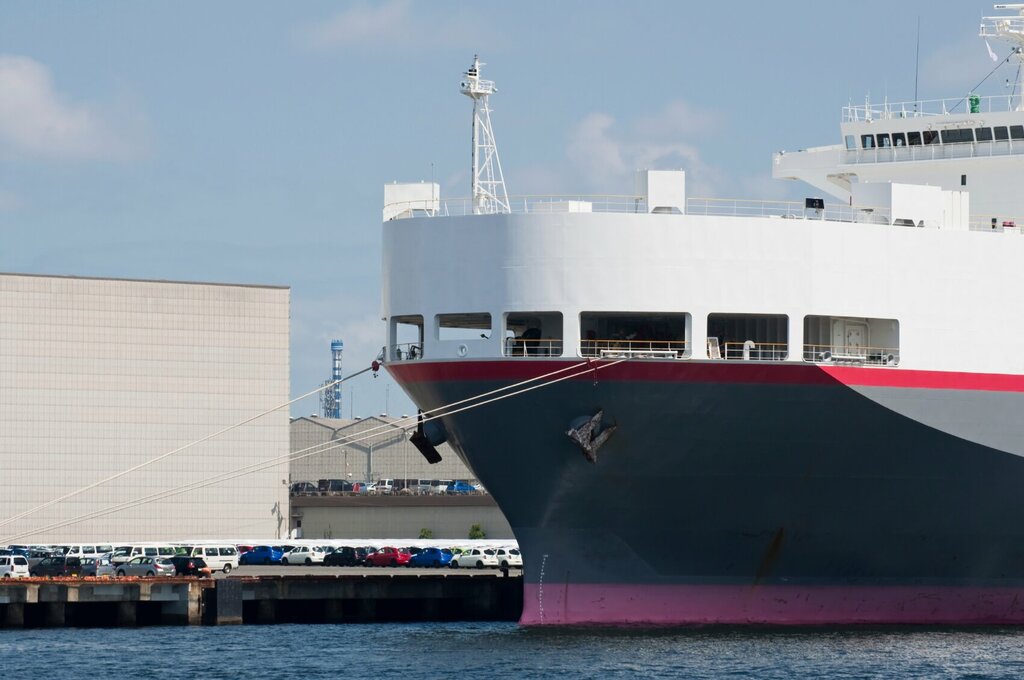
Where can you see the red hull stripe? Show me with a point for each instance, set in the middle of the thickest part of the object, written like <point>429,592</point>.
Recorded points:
<point>706,372</point>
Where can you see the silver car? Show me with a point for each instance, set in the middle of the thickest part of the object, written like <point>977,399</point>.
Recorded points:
<point>147,566</point>
<point>97,566</point>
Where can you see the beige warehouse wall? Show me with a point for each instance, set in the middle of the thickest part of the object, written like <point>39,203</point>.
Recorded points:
<point>99,375</point>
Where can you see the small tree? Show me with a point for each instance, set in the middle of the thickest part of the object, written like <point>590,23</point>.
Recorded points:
<point>426,533</point>
<point>476,532</point>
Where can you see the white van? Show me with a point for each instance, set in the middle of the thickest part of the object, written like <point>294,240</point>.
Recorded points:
<point>439,486</point>
<point>86,550</point>
<point>123,553</point>
<point>384,486</point>
<point>217,557</point>
<point>13,566</point>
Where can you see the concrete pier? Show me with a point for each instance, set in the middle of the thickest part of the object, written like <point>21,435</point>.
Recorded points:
<point>376,597</point>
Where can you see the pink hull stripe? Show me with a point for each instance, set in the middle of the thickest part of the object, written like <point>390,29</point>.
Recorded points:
<point>566,604</point>
<point>706,372</point>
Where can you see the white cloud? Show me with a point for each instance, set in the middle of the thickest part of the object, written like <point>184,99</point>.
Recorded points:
<point>605,154</point>
<point>35,120</point>
<point>389,26</point>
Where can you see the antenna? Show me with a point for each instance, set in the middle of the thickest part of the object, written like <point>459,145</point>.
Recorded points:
<point>489,195</point>
<point>917,61</point>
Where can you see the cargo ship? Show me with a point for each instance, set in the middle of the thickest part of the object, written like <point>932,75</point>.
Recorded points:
<point>740,412</point>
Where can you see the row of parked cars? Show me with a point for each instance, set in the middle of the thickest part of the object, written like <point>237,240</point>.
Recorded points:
<point>387,556</point>
<point>342,487</point>
<point>151,560</point>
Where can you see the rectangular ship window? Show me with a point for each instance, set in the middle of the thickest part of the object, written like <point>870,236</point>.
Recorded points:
<point>983,134</point>
<point>1017,132</point>
<point>406,337</point>
<point>867,141</point>
<point>851,340</point>
<point>958,136</point>
<point>1002,133</point>
<point>899,139</point>
<point>651,335</point>
<point>470,326</point>
<point>851,142</point>
<point>533,334</point>
<point>914,138</point>
<point>883,141</point>
<point>750,337</point>
<point>931,137</point>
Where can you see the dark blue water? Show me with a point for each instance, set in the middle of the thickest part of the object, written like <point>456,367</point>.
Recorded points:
<point>311,652</point>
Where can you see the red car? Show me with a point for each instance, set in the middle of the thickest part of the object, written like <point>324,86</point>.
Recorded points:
<point>389,557</point>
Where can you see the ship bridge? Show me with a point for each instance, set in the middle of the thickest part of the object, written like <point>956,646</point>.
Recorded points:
<point>968,143</point>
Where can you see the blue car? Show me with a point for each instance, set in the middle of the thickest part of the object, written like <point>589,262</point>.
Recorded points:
<point>460,487</point>
<point>431,557</point>
<point>262,554</point>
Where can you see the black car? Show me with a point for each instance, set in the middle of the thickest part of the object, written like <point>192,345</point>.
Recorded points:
<point>58,565</point>
<point>346,557</point>
<point>190,566</point>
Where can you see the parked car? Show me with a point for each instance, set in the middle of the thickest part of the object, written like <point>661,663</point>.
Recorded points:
<point>217,557</point>
<point>191,566</point>
<point>37,555</point>
<point>460,488</point>
<point>262,554</point>
<point>383,486</point>
<point>346,557</point>
<point>440,485</point>
<point>97,566</point>
<point>303,489</point>
<point>14,566</point>
<point>388,557</point>
<point>147,566</point>
<point>304,554</point>
<point>509,557</point>
<point>58,565</point>
<point>431,557</point>
<point>475,558</point>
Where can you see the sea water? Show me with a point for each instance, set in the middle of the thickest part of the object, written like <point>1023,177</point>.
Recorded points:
<point>455,650</point>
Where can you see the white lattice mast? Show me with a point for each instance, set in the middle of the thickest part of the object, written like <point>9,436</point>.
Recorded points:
<point>489,195</point>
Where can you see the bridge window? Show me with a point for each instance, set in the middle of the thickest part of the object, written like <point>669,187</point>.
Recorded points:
<point>634,334</point>
<point>751,337</point>
<point>533,334</point>
<point>473,326</point>
<point>883,141</point>
<point>899,139</point>
<point>1017,132</point>
<point>931,136</point>
<point>851,340</point>
<point>958,136</point>
<point>1002,133</point>
<point>851,142</point>
<point>983,134</point>
<point>914,138</point>
<point>406,337</point>
<point>867,141</point>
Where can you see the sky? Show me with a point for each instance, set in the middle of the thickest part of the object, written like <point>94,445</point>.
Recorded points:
<point>249,142</point>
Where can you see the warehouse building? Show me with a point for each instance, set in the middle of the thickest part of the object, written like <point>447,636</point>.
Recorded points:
<point>101,376</point>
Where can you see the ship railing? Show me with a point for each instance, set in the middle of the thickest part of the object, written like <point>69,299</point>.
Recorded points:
<point>543,204</point>
<point>852,355</point>
<point>965,104</point>
<point>634,349</point>
<point>533,347</point>
<point>994,224</point>
<point>406,351</point>
<point>749,350</point>
<point>929,152</point>
<point>836,212</point>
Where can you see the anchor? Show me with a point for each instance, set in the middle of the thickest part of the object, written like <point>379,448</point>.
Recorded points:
<point>587,433</point>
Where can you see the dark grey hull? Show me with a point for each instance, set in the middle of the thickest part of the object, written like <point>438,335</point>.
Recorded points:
<point>743,479</point>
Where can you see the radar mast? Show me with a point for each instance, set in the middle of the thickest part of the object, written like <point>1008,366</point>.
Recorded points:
<point>1010,29</point>
<point>489,195</point>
